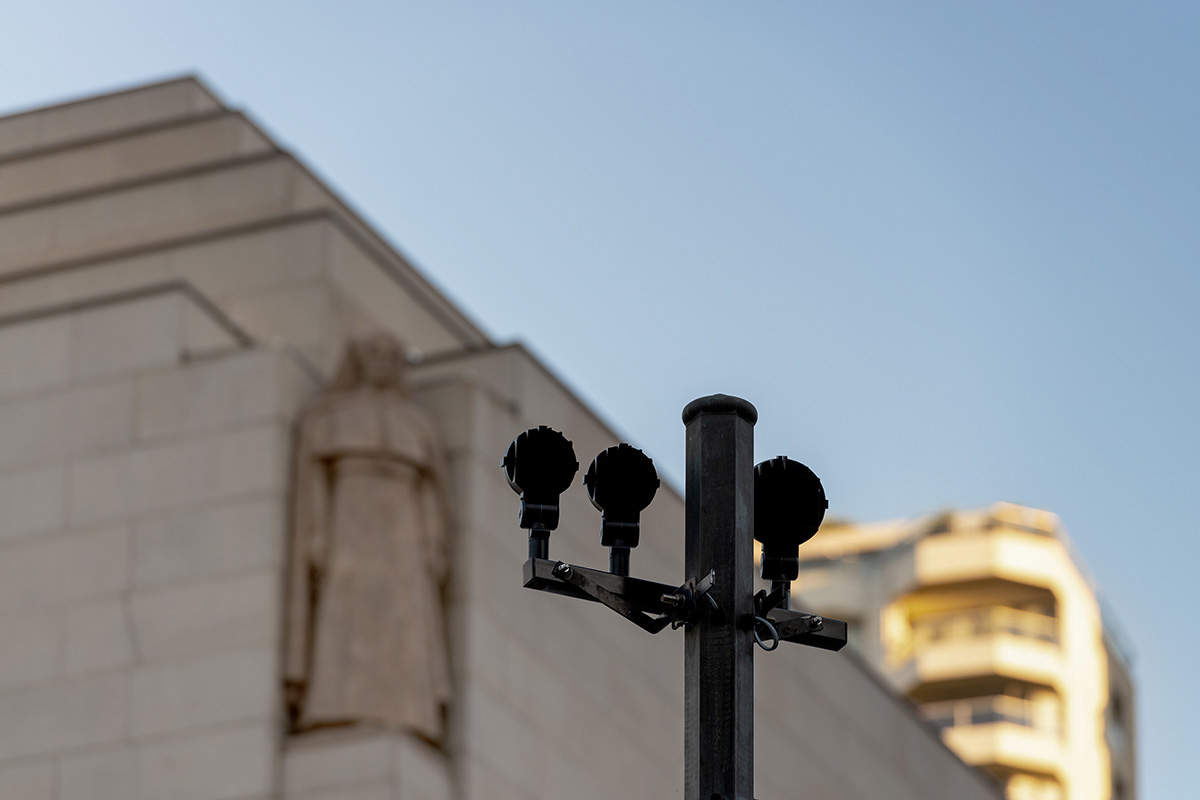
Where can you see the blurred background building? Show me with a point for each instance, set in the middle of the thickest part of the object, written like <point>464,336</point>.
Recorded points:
<point>987,621</point>
<point>174,289</point>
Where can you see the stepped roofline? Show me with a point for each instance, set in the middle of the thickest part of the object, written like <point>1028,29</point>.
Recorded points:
<point>183,100</point>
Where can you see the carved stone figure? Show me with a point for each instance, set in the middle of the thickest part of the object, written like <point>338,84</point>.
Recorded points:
<point>366,639</point>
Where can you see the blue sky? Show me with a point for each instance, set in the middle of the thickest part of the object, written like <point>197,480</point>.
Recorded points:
<point>949,250</point>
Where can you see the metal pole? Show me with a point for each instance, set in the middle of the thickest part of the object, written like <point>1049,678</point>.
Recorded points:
<point>718,649</point>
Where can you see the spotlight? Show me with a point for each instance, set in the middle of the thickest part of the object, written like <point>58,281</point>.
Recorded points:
<point>540,465</point>
<point>789,504</point>
<point>621,482</point>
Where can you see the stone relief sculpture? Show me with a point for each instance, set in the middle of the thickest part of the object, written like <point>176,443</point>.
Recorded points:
<point>365,633</point>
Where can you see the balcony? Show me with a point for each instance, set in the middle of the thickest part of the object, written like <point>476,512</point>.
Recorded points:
<point>983,622</point>
<point>989,710</point>
<point>1004,553</point>
<point>980,642</point>
<point>1000,731</point>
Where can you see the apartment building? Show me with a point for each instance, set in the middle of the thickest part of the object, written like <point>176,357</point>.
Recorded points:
<point>987,621</point>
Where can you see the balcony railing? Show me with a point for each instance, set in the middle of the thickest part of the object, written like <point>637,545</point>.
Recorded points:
<point>983,622</point>
<point>986,710</point>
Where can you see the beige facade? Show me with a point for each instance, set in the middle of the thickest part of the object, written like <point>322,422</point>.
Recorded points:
<point>985,620</point>
<point>174,289</point>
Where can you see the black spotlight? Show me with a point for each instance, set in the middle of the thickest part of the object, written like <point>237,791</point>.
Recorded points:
<point>540,465</point>
<point>789,504</point>
<point>621,482</point>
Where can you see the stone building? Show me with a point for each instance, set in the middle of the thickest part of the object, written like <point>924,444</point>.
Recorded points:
<point>986,619</point>
<point>174,290</point>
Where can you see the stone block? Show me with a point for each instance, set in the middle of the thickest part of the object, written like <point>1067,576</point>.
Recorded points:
<point>128,158</point>
<point>373,791</point>
<point>29,649</point>
<point>28,781</point>
<point>479,780</point>
<point>231,265</point>
<point>23,234</point>
<point>209,616</point>
<point>235,763</point>
<point>421,772</point>
<point>865,709</point>
<point>482,648</point>
<point>297,387</point>
<point>157,477</point>
<point>109,774</point>
<point>128,336</point>
<point>218,765</point>
<point>250,460</point>
<point>99,416</point>
<point>49,426</point>
<point>209,542</point>
<point>144,480</point>
<point>142,213</point>
<point>504,736</point>
<point>33,429</point>
<point>35,355</point>
<point>205,690</point>
<point>236,265</point>
<point>33,501</point>
<point>97,635</point>
<point>534,683</point>
<point>238,388</point>
<point>204,334</point>
<point>53,571</point>
<point>105,114</point>
<point>365,763</point>
<point>99,489</point>
<point>55,287</point>
<point>43,719</point>
<point>299,314</point>
<point>325,761</point>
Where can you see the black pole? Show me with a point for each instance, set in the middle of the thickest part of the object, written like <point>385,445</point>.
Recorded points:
<point>716,604</point>
<point>718,649</point>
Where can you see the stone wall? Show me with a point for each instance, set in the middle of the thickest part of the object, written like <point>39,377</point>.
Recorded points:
<point>143,471</point>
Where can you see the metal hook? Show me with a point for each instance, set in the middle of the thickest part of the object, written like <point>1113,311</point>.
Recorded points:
<point>774,633</point>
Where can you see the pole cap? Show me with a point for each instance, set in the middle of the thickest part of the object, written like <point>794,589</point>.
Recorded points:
<point>720,404</point>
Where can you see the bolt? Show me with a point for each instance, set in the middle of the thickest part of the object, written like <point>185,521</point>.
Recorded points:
<point>562,570</point>
<point>674,600</point>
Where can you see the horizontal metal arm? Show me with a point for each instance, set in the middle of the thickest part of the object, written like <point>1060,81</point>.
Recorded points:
<point>649,605</point>
<point>652,606</point>
<point>643,595</point>
<point>576,578</point>
<point>826,633</point>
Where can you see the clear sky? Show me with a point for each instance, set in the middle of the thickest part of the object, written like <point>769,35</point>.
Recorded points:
<point>949,250</point>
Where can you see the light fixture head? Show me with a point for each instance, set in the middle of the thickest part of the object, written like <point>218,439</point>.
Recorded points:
<point>789,505</point>
<point>540,465</point>
<point>621,481</point>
